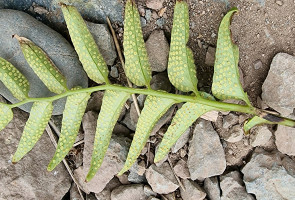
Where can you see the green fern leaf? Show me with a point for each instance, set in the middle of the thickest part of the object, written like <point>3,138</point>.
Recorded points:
<point>39,116</point>
<point>72,117</point>
<point>255,121</point>
<point>112,105</point>
<point>183,118</point>
<point>137,66</point>
<point>6,115</point>
<point>43,66</point>
<point>89,55</point>
<point>181,67</point>
<point>154,108</point>
<point>13,80</point>
<point>226,79</point>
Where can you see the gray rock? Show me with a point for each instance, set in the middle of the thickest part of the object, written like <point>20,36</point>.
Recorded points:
<point>161,179</point>
<point>258,64</point>
<point>211,116</point>
<point>181,141</point>
<point>210,56</point>
<point>154,4</point>
<point>163,120</point>
<point>206,156</point>
<point>192,191</point>
<point>113,161</point>
<point>157,49</point>
<point>129,192</point>
<point>95,101</point>
<point>211,186</point>
<point>105,194</point>
<point>278,89</point>
<point>142,21</point>
<point>148,191</point>
<point>29,179</point>
<point>161,82</point>
<point>232,187</point>
<point>136,174</point>
<point>285,140</point>
<point>141,99</point>
<point>74,193</point>
<point>270,175</point>
<point>104,41</point>
<point>148,15</point>
<point>260,136</point>
<point>114,72</point>
<point>57,48</point>
<point>181,169</point>
<point>133,114</point>
<point>230,120</point>
<point>128,122</point>
<point>235,134</point>
<point>160,22</point>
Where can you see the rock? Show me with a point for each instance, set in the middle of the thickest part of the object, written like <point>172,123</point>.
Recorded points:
<point>230,120</point>
<point>106,193</point>
<point>136,173</point>
<point>129,192</point>
<point>258,64</point>
<point>128,122</point>
<point>142,21</point>
<point>192,191</point>
<point>154,4</point>
<point>211,116</point>
<point>181,169</point>
<point>206,155</point>
<point>210,56</point>
<point>270,175</point>
<point>232,187</point>
<point>29,179</point>
<point>278,89</point>
<point>148,15</point>
<point>74,193</point>
<point>95,101</point>
<point>113,161</point>
<point>161,179</point>
<point>181,141</point>
<point>157,49</point>
<point>211,186</point>
<point>141,99</point>
<point>133,114</point>
<point>260,136</point>
<point>280,3</point>
<point>285,140</point>
<point>57,48</point>
<point>161,82</point>
<point>124,179</point>
<point>235,134</point>
<point>160,22</point>
<point>104,41</point>
<point>148,191</point>
<point>163,120</point>
<point>114,72</point>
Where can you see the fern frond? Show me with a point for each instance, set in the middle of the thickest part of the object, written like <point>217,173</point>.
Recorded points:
<point>39,116</point>
<point>14,80</point>
<point>183,118</point>
<point>43,66</point>
<point>137,66</point>
<point>226,79</point>
<point>181,66</point>
<point>6,115</point>
<point>154,108</point>
<point>111,108</point>
<point>85,46</point>
<point>72,117</point>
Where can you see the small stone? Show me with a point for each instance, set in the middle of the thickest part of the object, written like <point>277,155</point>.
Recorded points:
<point>192,191</point>
<point>154,4</point>
<point>163,120</point>
<point>148,15</point>
<point>211,186</point>
<point>211,116</point>
<point>155,15</point>
<point>129,192</point>
<point>95,102</point>
<point>260,136</point>
<point>230,120</point>
<point>105,194</point>
<point>235,134</point>
<point>142,21</point>
<point>136,173</point>
<point>148,191</point>
<point>141,99</point>
<point>114,72</point>
<point>285,140</point>
<point>278,89</point>
<point>181,141</point>
<point>133,114</point>
<point>123,179</point>
<point>160,22</point>
<point>232,187</point>
<point>128,122</point>
<point>157,49</point>
<point>280,3</point>
<point>270,175</point>
<point>181,169</point>
<point>206,156</point>
<point>210,56</point>
<point>160,81</point>
<point>141,11</point>
<point>161,179</point>
<point>258,64</point>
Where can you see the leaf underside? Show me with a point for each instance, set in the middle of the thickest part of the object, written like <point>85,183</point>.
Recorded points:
<point>6,115</point>
<point>72,117</point>
<point>255,121</point>
<point>111,108</point>
<point>226,78</point>
<point>85,46</point>
<point>39,116</point>
<point>13,80</point>
<point>183,118</point>
<point>181,67</point>
<point>154,109</point>
<point>43,66</point>
<point>137,66</point>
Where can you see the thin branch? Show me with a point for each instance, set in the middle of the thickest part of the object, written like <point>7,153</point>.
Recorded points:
<point>123,64</point>
<point>53,140</point>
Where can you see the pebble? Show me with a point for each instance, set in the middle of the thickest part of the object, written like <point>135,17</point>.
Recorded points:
<point>143,21</point>
<point>129,192</point>
<point>192,191</point>
<point>181,169</point>
<point>235,134</point>
<point>211,186</point>
<point>258,64</point>
<point>183,139</point>
<point>260,136</point>
<point>161,81</point>
<point>210,56</point>
<point>114,72</point>
<point>148,15</point>
<point>105,194</point>
<point>280,3</point>
<point>160,22</point>
<point>230,120</point>
<point>154,4</point>
<point>285,140</point>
